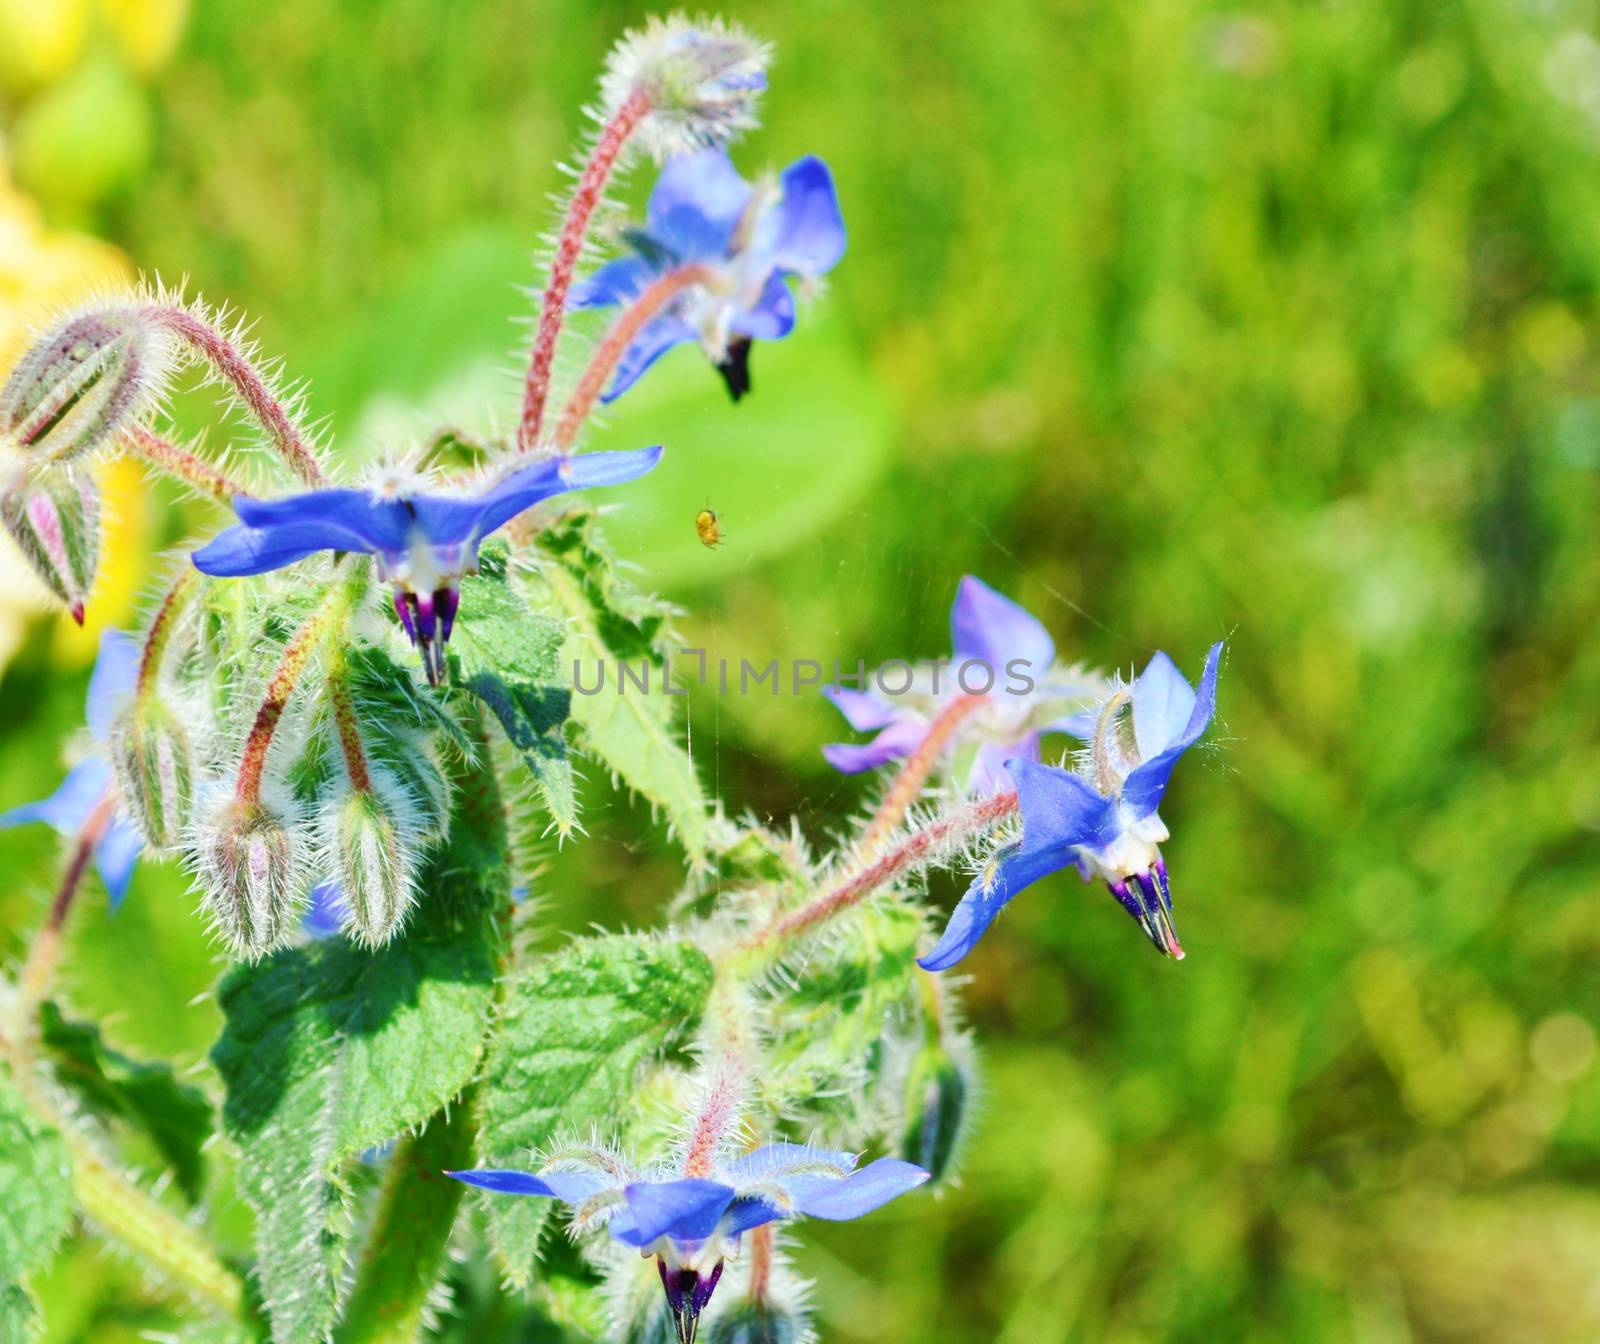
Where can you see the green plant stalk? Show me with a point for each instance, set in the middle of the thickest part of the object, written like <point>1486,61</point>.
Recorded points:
<point>176,1252</point>
<point>417,1206</point>
<point>416,1212</point>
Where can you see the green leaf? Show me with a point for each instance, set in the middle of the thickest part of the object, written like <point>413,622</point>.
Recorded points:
<point>828,1024</point>
<point>175,1117</point>
<point>406,1244</point>
<point>35,1204</point>
<point>608,620</point>
<point>565,1055</point>
<point>508,657</point>
<point>328,1050</point>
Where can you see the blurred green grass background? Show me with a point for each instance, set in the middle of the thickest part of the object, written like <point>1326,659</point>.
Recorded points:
<point>1175,321</point>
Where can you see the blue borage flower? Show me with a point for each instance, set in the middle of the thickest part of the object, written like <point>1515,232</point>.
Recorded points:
<point>997,644</point>
<point>90,784</point>
<point>751,238</point>
<point>692,1224</point>
<point>423,543</point>
<point>1101,818</point>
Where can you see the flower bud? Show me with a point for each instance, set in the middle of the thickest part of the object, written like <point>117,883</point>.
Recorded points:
<point>81,382</point>
<point>701,81</point>
<point>155,769</point>
<point>54,517</point>
<point>756,1323</point>
<point>937,1088</point>
<point>252,877</point>
<point>372,863</point>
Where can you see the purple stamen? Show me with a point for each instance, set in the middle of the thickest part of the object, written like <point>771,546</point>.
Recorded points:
<point>449,600</point>
<point>402,605</point>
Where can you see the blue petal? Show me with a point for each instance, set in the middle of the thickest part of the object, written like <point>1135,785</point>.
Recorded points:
<point>115,672</point>
<point>772,1158</point>
<point>686,1210</point>
<point>988,628</point>
<point>323,919</point>
<point>351,520</point>
<point>744,1214</point>
<point>503,1182</point>
<point>1142,790</point>
<point>864,710</point>
<point>573,1187</point>
<point>989,766</point>
<point>772,317</point>
<point>868,1189</point>
<point>617,282</point>
<point>239,551</point>
<point>1060,812</point>
<point>115,854</point>
<point>808,224</point>
<point>71,804</point>
<point>655,340</point>
<point>1162,703</point>
<point>696,203</point>
<point>897,740</point>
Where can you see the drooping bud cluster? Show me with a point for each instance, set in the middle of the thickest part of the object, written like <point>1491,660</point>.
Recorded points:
<point>88,377</point>
<point>253,876</point>
<point>372,862</point>
<point>53,514</point>
<point>155,769</point>
<point>700,82</point>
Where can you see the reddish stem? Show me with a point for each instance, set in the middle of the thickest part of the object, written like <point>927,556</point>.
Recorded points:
<point>229,362</point>
<point>253,759</point>
<point>907,786</point>
<point>45,952</point>
<point>155,643</point>
<point>349,731</point>
<point>180,462</point>
<point>622,334</point>
<point>552,312</point>
<point>909,854</point>
<point>760,1263</point>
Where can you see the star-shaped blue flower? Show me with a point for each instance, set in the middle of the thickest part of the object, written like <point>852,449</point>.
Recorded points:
<point>998,644</point>
<point>90,786</point>
<point>751,238</point>
<point>423,543</point>
<point>1104,820</point>
<point>692,1223</point>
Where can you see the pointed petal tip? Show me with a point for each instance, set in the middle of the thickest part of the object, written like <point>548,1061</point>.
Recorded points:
<point>76,612</point>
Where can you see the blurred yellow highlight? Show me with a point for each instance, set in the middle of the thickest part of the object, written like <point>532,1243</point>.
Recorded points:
<point>41,270</point>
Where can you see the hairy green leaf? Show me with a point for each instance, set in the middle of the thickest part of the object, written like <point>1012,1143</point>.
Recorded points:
<point>565,1054</point>
<point>507,656</point>
<point>35,1204</point>
<point>329,1050</point>
<point>175,1117</point>
<point>607,620</point>
<point>828,1025</point>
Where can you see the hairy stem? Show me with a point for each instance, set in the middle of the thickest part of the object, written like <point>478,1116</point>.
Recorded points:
<point>410,1232</point>
<point>656,296</point>
<point>325,621</point>
<point>348,730</point>
<point>907,785</point>
<point>730,1054</point>
<point>38,972</point>
<point>231,365</point>
<point>915,851</point>
<point>608,149</point>
<point>162,625</point>
<point>178,462</point>
<point>173,1250</point>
